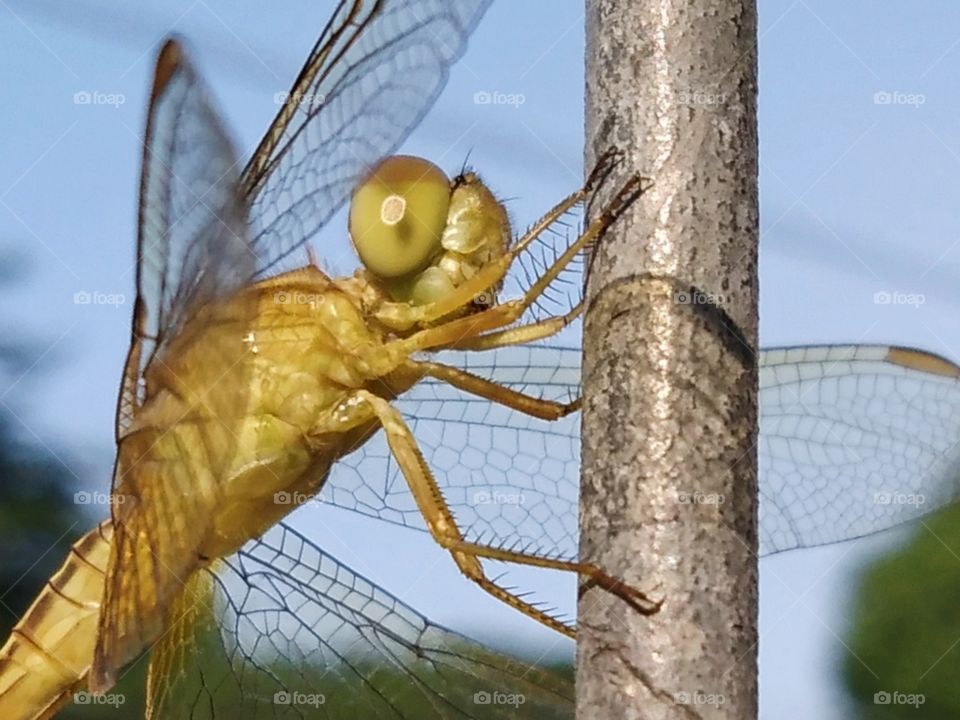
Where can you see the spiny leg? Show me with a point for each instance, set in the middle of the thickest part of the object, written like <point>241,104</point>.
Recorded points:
<point>460,330</point>
<point>549,326</point>
<point>401,316</point>
<point>595,577</point>
<point>519,335</point>
<point>476,385</point>
<point>429,499</point>
<point>443,527</point>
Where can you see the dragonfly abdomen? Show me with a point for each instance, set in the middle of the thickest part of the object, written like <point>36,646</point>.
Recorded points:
<point>49,651</point>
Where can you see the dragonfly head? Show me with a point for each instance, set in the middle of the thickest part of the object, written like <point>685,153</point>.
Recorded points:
<point>421,235</point>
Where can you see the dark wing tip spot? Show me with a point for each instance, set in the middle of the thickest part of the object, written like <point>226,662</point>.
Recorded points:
<point>169,59</point>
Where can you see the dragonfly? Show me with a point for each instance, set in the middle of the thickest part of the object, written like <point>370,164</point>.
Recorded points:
<point>253,618</point>
<point>251,372</point>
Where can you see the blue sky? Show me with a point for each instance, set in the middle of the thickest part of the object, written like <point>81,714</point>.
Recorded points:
<point>860,161</point>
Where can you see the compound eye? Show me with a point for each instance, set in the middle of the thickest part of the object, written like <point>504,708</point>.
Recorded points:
<point>398,214</point>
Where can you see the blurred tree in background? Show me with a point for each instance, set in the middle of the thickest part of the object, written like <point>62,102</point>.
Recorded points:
<point>38,518</point>
<point>904,659</point>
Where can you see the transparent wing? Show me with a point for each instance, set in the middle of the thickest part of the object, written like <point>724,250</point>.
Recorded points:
<point>566,290</point>
<point>192,254</point>
<point>510,479</point>
<point>853,440</point>
<point>192,243</point>
<point>554,234</point>
<point>375,71</point>
<point>283,630</point>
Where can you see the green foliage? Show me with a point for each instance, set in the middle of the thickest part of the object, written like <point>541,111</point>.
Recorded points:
<point>126,700</point>
<point>38,520</point>
<point>904,659</point>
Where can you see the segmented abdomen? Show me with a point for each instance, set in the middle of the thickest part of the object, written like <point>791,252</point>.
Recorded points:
<point>49,651</point>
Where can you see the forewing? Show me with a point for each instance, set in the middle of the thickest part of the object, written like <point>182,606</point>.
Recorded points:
<point>853,440</point>
<point>283,630</point>
<point>192,252</point>
<point>375,71</point>
<point>192,243</point>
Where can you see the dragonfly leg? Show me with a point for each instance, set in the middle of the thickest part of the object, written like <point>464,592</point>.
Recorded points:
<point>519,335</point>
<point>402,316</point>
<point>440,521</point>
<point>461,330</point>
<point>476,385</point>
<point>595,576</point>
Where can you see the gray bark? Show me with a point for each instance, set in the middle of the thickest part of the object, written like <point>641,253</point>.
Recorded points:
<point>669,483</point>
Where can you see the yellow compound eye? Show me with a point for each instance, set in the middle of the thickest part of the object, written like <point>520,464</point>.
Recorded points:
<point>398,214</point>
